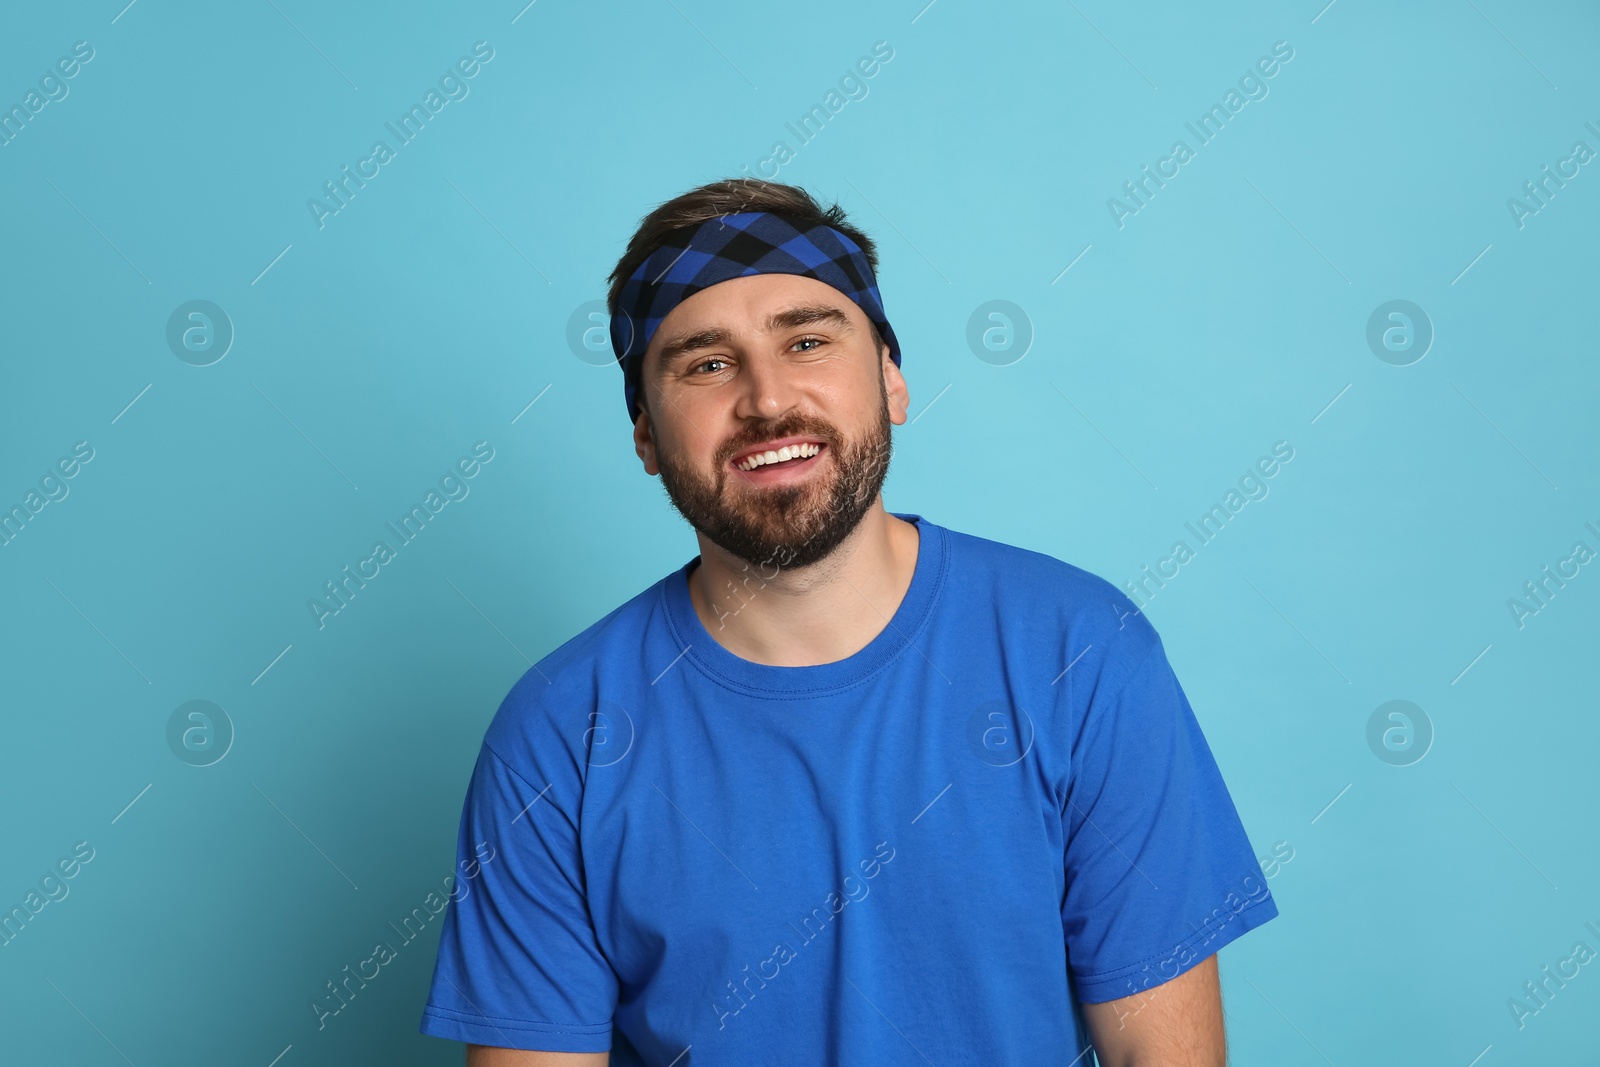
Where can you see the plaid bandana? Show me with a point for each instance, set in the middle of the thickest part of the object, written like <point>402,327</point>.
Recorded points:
<point>733,246</point>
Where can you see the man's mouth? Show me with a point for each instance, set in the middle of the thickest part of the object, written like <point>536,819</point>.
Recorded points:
<point>789,455</point>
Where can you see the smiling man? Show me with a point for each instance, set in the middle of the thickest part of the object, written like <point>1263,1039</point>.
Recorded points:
<point>848,786</point>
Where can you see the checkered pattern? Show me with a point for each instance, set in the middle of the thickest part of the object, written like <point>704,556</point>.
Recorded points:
<point>733,246</point>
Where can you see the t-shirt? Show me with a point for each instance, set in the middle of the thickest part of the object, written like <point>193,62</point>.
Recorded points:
<point>939,847</point>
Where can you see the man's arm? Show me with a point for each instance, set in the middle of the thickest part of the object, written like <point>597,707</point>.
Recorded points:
<point>1175,1024</point>
<point>489,1056</point>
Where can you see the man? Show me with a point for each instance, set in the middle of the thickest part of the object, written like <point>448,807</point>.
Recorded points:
<point>848,786</point>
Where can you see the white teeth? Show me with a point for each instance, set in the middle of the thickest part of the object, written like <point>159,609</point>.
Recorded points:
<point>787,452</point>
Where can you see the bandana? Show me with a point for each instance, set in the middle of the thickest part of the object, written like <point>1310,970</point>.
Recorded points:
<point>733,246</point>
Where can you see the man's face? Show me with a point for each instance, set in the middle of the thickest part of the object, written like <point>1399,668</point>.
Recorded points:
<point>757,361</point>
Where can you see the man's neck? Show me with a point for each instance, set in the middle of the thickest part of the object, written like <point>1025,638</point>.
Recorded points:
<point>810,615</point>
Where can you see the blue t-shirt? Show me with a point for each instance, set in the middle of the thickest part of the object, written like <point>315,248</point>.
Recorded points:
<point>1002,807</point>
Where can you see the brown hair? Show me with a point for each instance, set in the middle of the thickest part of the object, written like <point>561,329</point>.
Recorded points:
<point>727,197</point>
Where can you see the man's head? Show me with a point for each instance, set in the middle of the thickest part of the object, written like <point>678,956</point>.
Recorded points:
<point>759,359</point>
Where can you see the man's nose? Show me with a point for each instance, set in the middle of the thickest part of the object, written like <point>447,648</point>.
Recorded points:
<point>766,387</point>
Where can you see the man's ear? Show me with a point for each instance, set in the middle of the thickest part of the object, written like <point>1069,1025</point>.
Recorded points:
<point>644,442</point>
<point>894,384</point>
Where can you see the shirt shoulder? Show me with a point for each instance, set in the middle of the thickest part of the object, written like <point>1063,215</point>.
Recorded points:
<point>1041,599</point>
<point>548,714</point>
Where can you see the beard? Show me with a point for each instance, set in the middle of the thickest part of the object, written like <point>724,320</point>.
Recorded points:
<point>785,525</point>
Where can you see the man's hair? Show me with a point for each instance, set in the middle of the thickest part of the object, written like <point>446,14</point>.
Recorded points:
<point>727,197</point>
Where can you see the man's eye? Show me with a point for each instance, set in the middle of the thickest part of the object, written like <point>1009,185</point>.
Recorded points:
<point>707,363</point>
<point>810,340</point>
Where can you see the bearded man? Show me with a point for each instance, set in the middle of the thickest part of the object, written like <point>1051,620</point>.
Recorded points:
<point>848,786</point>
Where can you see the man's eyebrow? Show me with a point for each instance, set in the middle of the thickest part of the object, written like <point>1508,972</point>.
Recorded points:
<point>805,314</point>
<point>786,319</point>
<point>686,343</point>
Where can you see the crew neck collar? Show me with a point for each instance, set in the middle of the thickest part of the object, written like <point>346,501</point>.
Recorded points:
<point>760,679</point>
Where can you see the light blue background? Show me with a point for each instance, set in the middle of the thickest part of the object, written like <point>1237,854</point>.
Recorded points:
<point>1228,314</point>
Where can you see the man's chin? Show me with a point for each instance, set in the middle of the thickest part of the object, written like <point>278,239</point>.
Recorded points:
<point>767,535</point>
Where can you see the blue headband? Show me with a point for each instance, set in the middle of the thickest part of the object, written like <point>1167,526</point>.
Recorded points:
<point>733,246</point>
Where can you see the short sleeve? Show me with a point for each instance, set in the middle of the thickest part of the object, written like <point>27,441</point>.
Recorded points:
<point>1159,871</point>
<point>519,965</point>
